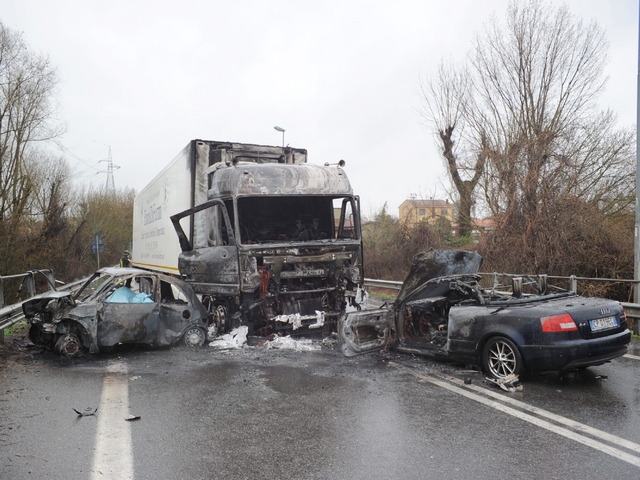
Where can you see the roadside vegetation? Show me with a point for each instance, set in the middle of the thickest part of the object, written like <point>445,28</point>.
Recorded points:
<point>525,145</point>
<point>45,220</point>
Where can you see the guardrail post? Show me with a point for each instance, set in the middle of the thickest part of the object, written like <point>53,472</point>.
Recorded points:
<point>516,286</point>
<point>31,284</point>
<point>51,278</point>
<point>573,284</point>
<point>543,284</point>
<point>1,305</point>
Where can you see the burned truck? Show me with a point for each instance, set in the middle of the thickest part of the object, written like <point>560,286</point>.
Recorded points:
<point>268,240</point>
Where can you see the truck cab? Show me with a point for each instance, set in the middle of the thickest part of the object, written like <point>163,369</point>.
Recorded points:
<point>277,245</point>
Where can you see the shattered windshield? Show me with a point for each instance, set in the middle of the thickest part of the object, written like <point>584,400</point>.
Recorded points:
<point>295,218</point>
<point>98,280</point>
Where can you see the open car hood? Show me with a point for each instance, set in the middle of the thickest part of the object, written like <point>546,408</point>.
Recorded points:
<point>433,264</point>
<point>38,304</point>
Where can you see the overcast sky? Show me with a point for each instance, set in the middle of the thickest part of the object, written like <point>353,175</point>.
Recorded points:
<point>342,77</point>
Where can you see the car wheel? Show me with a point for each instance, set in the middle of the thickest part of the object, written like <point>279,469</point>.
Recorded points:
<point>501,358</point>
<point>35,334</point>
<point>194,337</point>
<point>68,345</point>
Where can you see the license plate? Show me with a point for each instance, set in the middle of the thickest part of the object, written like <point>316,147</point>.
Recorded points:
<point>603,323</point>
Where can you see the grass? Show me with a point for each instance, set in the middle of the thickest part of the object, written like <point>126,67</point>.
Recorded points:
<point>386,297</point>
<point>15,327</point>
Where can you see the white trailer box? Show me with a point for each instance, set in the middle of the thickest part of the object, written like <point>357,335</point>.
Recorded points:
<point>180,185</point>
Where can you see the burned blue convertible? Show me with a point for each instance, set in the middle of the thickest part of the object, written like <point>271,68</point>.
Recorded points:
<point>512,326</point>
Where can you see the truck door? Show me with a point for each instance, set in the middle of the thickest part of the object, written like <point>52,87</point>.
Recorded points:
<point>211,266</point>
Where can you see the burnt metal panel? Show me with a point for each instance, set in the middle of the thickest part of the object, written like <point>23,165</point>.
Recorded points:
<point>127,323</point>
<point>211,264</point>
<point>279,179</point>
<point>433,264</point>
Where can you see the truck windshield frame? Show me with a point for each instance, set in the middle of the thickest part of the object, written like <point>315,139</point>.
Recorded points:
<point>296,218</point>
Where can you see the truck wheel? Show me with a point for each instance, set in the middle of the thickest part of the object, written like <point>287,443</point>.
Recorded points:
<point>68,345</point>
<point>501,358</point>
<point>194,337</point>
<point>220,318</point>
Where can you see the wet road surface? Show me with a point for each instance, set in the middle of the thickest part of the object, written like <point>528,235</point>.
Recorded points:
<point>257,413</point>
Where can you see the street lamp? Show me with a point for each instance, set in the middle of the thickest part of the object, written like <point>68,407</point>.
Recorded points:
<point>280,129</point>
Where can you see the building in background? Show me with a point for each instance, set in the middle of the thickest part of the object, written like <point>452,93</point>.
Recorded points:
<point>413,211</point>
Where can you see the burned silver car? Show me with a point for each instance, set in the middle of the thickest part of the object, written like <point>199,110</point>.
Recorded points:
<point>518,324</point>
<point>118,306</point>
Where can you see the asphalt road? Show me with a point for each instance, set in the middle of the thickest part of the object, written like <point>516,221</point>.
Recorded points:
<point>260,413</point>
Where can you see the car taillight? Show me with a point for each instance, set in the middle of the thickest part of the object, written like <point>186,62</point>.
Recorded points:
<point>558,323</point>
<point>624,315</point>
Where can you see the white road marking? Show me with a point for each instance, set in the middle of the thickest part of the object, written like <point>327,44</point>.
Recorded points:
<point>113,457</point>
<point>628,355</point>
<point>580,427</point>
<point>602,447</point>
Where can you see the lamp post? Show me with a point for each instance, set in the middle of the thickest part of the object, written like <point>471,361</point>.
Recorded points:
<point>280,129</point>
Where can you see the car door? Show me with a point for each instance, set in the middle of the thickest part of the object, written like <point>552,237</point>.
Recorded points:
<point>366,331</point>
<point>176,312</point>
<point>129,322</point>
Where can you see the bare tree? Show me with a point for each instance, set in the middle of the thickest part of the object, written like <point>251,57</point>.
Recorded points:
<point>446,102</point>
<point>27,83</point>
<point>27,118</point>
<point>51,196</point>
<point>529,120</point>
<point>535,83</point>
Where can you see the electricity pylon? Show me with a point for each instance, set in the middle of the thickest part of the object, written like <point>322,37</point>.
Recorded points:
<point>110,186</point>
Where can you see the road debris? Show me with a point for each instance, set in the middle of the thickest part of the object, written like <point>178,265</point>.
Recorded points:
<point>288,343</point>
<point>510,383</point>
<point>87,412</point>
<point>236,338</point>
<point>20,343</point>
<point>131,418</point>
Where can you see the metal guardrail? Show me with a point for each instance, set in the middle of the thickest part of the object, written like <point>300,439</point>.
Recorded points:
<point>631,309</point>
<point>390,284</point>
<point>573,281</point>
<point>12,314</point>
<point>28,280</point>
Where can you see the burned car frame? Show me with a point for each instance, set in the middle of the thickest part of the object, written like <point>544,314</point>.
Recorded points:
<point>442,311</point>
<point>118,306</point>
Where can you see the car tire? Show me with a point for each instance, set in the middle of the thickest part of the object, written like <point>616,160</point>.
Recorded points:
<point>68,345</point>
<point>35,334</point>
<point>501,358</point>
<point>195,337</point>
